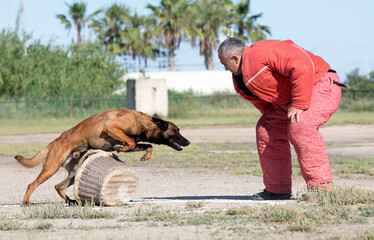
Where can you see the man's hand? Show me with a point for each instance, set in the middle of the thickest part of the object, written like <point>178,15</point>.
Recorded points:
<point>294,113</point>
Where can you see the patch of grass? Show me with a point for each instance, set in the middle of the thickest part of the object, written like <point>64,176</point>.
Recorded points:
<point>367,211</point>
<point>25,149</point>
<point>60,211</point>
<point>43,225</point>
<point>36,126</point>
<point>342,196</point>
<point>244,172</point>
<point>340,206</point>
<point>336,207</point>
<point>278,213</point>
<point>247,211</point>
<point>194,205</point>
<point>369,235</point>
<point>226,146</point>
<point>348,166</point>
<point>155,214</point>
<point>199,219</point>
<point>302,225</point>
<point>341,117</point>
<point>10,225</point>
<point>110,227</point>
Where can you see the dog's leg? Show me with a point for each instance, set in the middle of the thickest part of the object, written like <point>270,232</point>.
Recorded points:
<point>47,171</point>
<point>53,162</point>
<point>62,186</point>
<point>117,134</point>
<point>75,162</point>
<point>148,148</point>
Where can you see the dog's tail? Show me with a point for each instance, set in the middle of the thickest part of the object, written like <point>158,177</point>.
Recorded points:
<point>34,161</point>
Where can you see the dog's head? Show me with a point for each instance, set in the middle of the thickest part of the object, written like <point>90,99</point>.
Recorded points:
<point>170,134</point>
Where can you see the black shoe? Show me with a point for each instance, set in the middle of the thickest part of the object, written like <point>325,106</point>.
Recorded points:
<point>266,195</point>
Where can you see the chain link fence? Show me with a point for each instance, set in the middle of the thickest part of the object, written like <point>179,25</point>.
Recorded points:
<point>179,106</point>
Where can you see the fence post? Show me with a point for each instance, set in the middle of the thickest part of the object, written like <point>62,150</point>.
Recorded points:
<point>130,94</point>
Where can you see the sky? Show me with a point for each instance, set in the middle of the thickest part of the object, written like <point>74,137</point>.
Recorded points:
<point>340,31</point>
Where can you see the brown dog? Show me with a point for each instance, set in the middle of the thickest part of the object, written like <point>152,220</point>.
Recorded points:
<point>119,130</point>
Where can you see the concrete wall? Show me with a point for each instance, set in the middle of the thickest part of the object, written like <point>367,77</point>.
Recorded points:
<point>205,82</point>
<point>151,96</point>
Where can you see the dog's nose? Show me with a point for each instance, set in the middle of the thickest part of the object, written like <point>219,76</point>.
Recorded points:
<point>187,142</point>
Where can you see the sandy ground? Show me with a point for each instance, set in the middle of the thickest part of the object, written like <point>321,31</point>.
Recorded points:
<point>170,187</point>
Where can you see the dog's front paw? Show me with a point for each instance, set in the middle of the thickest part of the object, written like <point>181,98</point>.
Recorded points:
<point>72,202</point>
<point>118,146</point>
<point>145,157</point>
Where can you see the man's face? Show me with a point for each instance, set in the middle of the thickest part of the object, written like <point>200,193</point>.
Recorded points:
<point>231,64</point>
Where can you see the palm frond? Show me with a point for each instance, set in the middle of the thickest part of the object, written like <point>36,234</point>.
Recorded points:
<point>64,20</point>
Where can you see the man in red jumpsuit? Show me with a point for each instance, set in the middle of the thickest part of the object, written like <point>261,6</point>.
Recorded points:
<point>297,92</point>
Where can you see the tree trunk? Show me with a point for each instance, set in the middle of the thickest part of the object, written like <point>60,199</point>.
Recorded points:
<point>79,27</point>
<point>241,30</point>
<point>171,59</point>
<point>208,54</point>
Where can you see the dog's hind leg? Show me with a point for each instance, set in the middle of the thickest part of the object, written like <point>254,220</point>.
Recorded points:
<point>47,171</point>
<point>74,161</point>
<point>62,186</point>
<point>53,162</point>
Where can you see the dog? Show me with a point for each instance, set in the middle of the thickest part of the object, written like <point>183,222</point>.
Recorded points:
<point>113,130</point>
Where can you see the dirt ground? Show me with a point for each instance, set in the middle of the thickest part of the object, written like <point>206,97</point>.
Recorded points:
<point>172,187</point>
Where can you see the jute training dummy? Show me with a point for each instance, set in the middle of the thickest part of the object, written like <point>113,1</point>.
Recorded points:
<point>104,180</point>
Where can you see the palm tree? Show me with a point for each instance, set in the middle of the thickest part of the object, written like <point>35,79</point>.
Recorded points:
<point>208,17</point>
<point>245,24</point>
<point>171,17</point>
<point>77,13</point>
<point>109,28</point>
<point>125,34</point>
<point>140,39</point>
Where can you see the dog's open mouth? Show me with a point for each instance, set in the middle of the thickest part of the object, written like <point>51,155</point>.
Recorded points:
<point>176,146</point>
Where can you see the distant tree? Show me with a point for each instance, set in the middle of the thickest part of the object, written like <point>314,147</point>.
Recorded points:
<point>125,34</point>
<point>357,81</point>
<point>245,24</point>
<point>207,18</point>
<point>140,39</point>
<point>77,12</point>
<point>171,18</point>
<point>50,71</point>
<point>110,26</point>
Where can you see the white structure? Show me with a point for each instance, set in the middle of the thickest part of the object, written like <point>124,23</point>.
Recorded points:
<point>205,82</point>
<point>151,96</point>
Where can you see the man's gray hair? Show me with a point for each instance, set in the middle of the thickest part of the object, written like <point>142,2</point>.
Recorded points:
<point>231,46</point>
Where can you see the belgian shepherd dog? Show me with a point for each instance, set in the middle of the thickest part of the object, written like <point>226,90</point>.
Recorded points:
<point>113,130</point>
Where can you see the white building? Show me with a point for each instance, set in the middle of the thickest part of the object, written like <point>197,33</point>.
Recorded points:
<point>205,82</point>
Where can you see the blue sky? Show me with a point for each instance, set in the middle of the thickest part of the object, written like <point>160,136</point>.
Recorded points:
<point>340,31</point>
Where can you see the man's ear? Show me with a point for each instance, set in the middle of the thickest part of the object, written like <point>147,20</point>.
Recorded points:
<point>163,125</point>
<point>236,58</point>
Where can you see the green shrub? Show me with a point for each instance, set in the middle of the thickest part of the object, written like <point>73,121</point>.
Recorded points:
<point>54,72</point>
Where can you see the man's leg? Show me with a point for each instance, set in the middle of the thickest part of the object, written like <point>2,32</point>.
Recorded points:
<point>306,138</point>
<point>274,150</point>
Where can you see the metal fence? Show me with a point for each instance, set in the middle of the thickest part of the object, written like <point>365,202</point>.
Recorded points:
<point>58,107</point>
<point>358,93</point>
<point>88,106</point>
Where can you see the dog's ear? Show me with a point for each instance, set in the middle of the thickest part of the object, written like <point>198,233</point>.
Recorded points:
<point>156,116</point>
<point>163,125</point>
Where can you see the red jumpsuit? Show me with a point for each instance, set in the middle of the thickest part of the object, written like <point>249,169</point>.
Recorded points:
<point>281,74</point>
